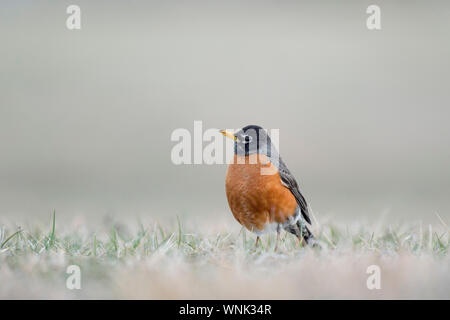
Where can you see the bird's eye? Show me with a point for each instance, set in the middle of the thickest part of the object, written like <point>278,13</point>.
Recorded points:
<point>247,139</point>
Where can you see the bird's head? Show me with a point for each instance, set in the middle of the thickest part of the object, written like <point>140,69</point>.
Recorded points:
<point>251,140</point>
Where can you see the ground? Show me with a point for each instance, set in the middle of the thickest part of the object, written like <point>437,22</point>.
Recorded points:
<point>182,260</point>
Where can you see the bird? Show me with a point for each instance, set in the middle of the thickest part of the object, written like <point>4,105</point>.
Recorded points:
<point>262,193</point>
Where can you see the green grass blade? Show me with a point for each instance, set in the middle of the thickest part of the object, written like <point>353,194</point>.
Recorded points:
<point>52,234</point>
<point>9,238</point>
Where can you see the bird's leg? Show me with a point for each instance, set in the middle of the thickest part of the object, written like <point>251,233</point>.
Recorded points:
<point>301,240</point>
<point>278,240</point>
<point>256,243</point>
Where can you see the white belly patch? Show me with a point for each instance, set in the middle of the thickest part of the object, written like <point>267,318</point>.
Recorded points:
<point>275,226</point>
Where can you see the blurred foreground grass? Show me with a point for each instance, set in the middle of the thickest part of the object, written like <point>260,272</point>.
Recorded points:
<point>177,261</point>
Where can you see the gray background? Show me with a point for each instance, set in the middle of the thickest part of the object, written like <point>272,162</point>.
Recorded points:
<point>86,116</point>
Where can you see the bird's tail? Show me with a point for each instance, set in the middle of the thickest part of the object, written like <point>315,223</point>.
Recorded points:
<point>301,231</point>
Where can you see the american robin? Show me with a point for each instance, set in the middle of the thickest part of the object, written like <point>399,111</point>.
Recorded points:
<point>262,193</point>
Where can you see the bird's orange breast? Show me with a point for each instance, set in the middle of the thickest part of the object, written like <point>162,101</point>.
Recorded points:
<point>255,193</point>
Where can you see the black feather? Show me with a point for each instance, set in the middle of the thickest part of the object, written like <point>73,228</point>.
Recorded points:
<point>292,185</point>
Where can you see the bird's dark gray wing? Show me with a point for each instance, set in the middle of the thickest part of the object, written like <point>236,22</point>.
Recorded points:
<point>289,181</point>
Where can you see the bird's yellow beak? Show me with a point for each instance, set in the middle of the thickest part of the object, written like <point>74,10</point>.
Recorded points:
<point>228,135</point>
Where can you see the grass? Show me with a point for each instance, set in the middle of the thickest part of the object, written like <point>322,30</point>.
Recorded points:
<point>177,261</point>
